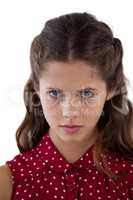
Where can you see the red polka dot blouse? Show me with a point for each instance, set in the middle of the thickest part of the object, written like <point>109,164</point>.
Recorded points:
<point>44,174</point>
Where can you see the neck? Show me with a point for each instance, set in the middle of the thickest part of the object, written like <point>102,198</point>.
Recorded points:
<point>73,150</point>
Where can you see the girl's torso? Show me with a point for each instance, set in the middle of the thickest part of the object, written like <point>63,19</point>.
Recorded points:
<point>43,173</point>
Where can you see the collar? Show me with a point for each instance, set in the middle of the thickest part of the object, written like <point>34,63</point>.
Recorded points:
<point>52,158</point>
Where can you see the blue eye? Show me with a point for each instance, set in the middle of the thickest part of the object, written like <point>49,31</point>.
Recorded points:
<point>56,93</point>
<point>87,93</point>
<point>53,93</point>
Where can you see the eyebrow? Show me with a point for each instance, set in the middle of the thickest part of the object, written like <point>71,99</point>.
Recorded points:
<point>88,88</point>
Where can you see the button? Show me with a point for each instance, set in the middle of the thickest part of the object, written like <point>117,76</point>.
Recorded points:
<point>71,181</point>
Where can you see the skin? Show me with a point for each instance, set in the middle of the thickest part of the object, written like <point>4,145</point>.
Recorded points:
<point>67,106</point>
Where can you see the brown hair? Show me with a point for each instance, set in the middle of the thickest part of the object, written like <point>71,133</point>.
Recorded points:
<point>80,36</point>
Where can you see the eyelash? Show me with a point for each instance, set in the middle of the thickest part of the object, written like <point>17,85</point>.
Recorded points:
<point>49,92</point>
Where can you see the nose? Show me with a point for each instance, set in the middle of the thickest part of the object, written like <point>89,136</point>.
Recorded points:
<point>70,107</point>
<point>66,112</point>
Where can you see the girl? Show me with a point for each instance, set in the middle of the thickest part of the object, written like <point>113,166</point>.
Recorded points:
<point>76,140</point>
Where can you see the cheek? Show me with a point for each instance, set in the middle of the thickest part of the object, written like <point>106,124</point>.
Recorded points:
<point>93,108</point>
<point>48,101</point>
<point>51,109</point>
<point>49,104</point>
<point>51,115</point>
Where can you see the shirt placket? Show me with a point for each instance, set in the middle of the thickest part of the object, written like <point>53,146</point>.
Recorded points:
<point>72,184</point>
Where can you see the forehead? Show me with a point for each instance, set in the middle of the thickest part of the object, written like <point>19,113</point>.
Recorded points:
<point>74,75</point>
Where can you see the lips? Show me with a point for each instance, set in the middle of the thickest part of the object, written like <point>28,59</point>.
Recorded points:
<point>71,126</point>
<point>71,129</point>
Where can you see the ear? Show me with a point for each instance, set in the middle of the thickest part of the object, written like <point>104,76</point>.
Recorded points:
<point>110,94</point>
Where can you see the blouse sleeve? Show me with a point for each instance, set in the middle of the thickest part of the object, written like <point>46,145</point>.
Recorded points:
<point>129,182</point>
<point>16,166</point>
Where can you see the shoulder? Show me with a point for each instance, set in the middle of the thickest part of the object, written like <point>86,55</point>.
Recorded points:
<point>122,166</point>
<point>24,165</point>
<point>119,164</point>
<point>5,183</point>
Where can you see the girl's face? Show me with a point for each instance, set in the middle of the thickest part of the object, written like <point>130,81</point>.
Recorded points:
<point>72,93</point>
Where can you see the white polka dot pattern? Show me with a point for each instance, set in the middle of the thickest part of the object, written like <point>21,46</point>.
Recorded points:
<point>43,173</point>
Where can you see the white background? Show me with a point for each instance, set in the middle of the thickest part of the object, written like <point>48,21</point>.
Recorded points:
<point>20,22</point>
